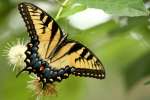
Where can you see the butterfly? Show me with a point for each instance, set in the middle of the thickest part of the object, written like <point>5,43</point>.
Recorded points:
<point>50,54</point>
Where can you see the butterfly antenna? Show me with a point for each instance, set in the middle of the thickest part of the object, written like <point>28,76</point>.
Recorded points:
<point>20,72</point>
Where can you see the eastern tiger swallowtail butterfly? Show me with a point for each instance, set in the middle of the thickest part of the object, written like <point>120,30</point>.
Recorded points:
<point>50,55</point>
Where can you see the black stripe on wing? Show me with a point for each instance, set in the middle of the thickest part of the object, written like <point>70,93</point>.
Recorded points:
<point>74,48</point>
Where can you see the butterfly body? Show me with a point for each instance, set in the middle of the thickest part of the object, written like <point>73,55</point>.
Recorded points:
<point>50,55</point>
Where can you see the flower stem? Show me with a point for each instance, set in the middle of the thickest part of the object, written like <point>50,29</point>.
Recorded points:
<point>61,9</point>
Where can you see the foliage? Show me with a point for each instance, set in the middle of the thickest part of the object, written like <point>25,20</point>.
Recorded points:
<point>119,7</point>
<point>124,49</point>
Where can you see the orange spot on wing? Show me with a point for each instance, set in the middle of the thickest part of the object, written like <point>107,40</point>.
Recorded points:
<point>42,68</point>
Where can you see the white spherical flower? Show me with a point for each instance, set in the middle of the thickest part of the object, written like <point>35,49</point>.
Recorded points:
<point>16,55</point>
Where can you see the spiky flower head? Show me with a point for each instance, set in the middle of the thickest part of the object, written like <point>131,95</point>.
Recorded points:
<point>15,54</point>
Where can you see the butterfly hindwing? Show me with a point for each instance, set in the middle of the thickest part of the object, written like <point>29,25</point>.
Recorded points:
<point>74,54</point>
<point>49,50</point>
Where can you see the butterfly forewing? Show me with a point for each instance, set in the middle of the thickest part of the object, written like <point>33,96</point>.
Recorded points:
<point>41,24</point>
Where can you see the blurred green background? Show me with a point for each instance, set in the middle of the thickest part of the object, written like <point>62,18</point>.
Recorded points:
<point>122,44</point>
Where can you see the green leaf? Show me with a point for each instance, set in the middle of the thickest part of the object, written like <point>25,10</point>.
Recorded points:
<point>72,9</point>
<point>147,83</point>
<point>140,23</point>
<point>137,70</point>
<point>118,7</point>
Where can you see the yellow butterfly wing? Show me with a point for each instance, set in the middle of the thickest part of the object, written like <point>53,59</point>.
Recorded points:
<point>74,54</point>
<point>40,25</point>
